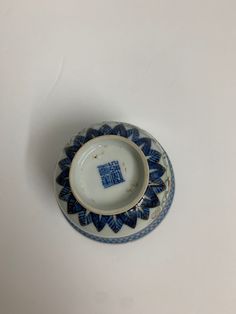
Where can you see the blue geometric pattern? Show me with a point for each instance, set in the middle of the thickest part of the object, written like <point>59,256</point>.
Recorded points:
<point>130,217</point>
<point>110,173</point>
<point>138,234</point>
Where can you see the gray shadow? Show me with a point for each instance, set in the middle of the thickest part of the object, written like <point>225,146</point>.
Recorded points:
<point>50,130</point>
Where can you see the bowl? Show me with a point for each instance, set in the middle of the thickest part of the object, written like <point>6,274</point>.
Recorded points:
<point>114,182</point>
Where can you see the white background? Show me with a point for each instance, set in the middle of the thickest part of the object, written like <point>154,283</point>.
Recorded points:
<point>166,66</point>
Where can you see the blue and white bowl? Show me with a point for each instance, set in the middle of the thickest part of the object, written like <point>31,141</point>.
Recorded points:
<point>114,182</point>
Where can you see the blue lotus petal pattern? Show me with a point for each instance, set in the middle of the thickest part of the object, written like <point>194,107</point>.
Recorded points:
<point>130,217</point>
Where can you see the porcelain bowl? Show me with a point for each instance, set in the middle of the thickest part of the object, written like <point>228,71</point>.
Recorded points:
<point>114,182</point>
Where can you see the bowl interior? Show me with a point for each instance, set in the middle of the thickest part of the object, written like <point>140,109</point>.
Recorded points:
<point>109,175</point>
